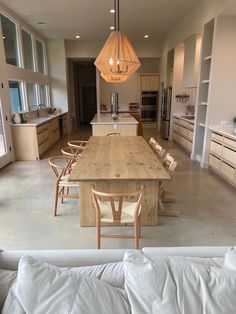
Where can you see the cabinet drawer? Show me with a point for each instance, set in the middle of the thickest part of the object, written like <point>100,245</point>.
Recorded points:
<point>183,123</point>
<point>54,124</point>
<point>176,128</point>
<point>43,148</point>
<point>190,146</point>
<point>191,126</point>
<point>227,171</point>
<point>214,162</point>
<point>190,135</point>
<point>42,128</point>
<point>216,148</point>
<point>183,132</point>
<point>229,155</point>
<point>64,117</point>
<point>176,120</point>
<point>42,137</point>
<point>176,137</point>
<point>217,137</point>
<point>230,142</point>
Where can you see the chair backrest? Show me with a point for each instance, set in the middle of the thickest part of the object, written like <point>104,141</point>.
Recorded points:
<point>113,134</point>
<point>159,150</point>
<point>152,142</point>
<point>72,152</point>
<point>170,164</point>
<point>77,144</point>
<point>115,201</point>
<point>60,165</point>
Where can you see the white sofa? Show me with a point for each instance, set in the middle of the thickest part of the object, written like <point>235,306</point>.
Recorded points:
<point>83,258</point>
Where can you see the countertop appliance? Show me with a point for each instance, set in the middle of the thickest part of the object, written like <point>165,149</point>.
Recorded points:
<point>165,112</point>
<point>114,102</point>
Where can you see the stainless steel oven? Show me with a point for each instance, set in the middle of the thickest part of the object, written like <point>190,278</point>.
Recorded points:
<point>149,105</point>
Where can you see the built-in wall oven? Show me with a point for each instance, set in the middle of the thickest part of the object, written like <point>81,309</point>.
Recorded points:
<point>149,105</point>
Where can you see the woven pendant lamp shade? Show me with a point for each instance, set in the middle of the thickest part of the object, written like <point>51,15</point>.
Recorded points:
<point>117,60</point>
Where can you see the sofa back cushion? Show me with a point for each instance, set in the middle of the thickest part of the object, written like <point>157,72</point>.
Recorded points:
<point>171,285</point>
<point>44,288</point>
<point>7,278</point>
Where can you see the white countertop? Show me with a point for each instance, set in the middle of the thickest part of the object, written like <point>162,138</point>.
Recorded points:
<point>227,130</point>
<point>182,118</point>
<point>40,120</point>
<point>104,118</point>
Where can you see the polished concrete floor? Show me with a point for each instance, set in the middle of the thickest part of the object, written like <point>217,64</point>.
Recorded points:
<point>206,203</point>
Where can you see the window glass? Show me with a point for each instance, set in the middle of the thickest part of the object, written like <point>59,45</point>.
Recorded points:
<point>43,95</point>
<point>40,57</point>
<point>27,50</point>
<point>31,96</point>
<point>10,41</point>
<point>15,91</point>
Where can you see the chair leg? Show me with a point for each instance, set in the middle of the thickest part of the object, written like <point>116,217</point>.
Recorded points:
<point>56,201</point>
<point>98,235</point>
<point>136,234</point>
<point>62,191</point>
<point>139,227</point>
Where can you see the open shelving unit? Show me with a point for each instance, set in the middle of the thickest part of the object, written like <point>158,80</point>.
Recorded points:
<point>201,124</point>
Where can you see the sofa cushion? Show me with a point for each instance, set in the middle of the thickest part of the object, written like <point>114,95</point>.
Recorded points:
<point>44,288</point>
<point>7,278</point>
<point>230,259</point>
<point>171,285</point>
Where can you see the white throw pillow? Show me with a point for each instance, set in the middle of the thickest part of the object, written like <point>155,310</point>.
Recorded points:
<point>47,289</point>
<point>230,259</point>
<point>168,285</point>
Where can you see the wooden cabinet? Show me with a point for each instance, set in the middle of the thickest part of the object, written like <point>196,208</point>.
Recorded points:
<point>31,141</point>
<point>149,82</point>
<point>222,156</point>
<point>183,133</point>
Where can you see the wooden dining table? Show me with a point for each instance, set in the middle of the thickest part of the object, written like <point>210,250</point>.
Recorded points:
<point>118,164</point>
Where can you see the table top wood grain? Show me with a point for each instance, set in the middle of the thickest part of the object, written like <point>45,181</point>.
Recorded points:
<point>118,158</point>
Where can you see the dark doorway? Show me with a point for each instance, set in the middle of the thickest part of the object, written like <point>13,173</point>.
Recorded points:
<point>83,90</point>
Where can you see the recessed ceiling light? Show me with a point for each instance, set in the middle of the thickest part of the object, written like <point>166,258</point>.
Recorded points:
<point>146,36</point>
<point>3,37</point>
<point>41,23</point>
<point>112,27</point>
<point>77,36</point>
<point>112,11</point>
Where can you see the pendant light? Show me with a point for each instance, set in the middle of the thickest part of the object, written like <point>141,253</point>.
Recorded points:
<point>117,60</point>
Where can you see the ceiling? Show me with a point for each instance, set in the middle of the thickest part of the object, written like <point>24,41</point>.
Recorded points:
<point>91,19</point>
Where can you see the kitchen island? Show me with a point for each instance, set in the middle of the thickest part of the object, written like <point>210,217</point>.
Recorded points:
<point>103,124</point>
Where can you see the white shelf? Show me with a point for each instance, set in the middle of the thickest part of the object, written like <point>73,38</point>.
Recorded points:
<point>207,58</point>
<point>203,103</point>
<point>202,124</point>
<point>205,81</point>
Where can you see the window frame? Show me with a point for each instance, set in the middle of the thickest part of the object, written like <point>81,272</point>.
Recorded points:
<point>18,39</point>
<point>44,56</point>
<point>21,83</point>
<point>22,28</point>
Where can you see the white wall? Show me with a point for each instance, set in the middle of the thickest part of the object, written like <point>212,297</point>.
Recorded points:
<point>222,106</point>
<point>90,49</point>
<point>129,91</point>
<point>191,23</point>
<point>57,72</point>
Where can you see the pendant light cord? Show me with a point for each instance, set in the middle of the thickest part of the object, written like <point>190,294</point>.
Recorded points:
<point>117,15</point>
